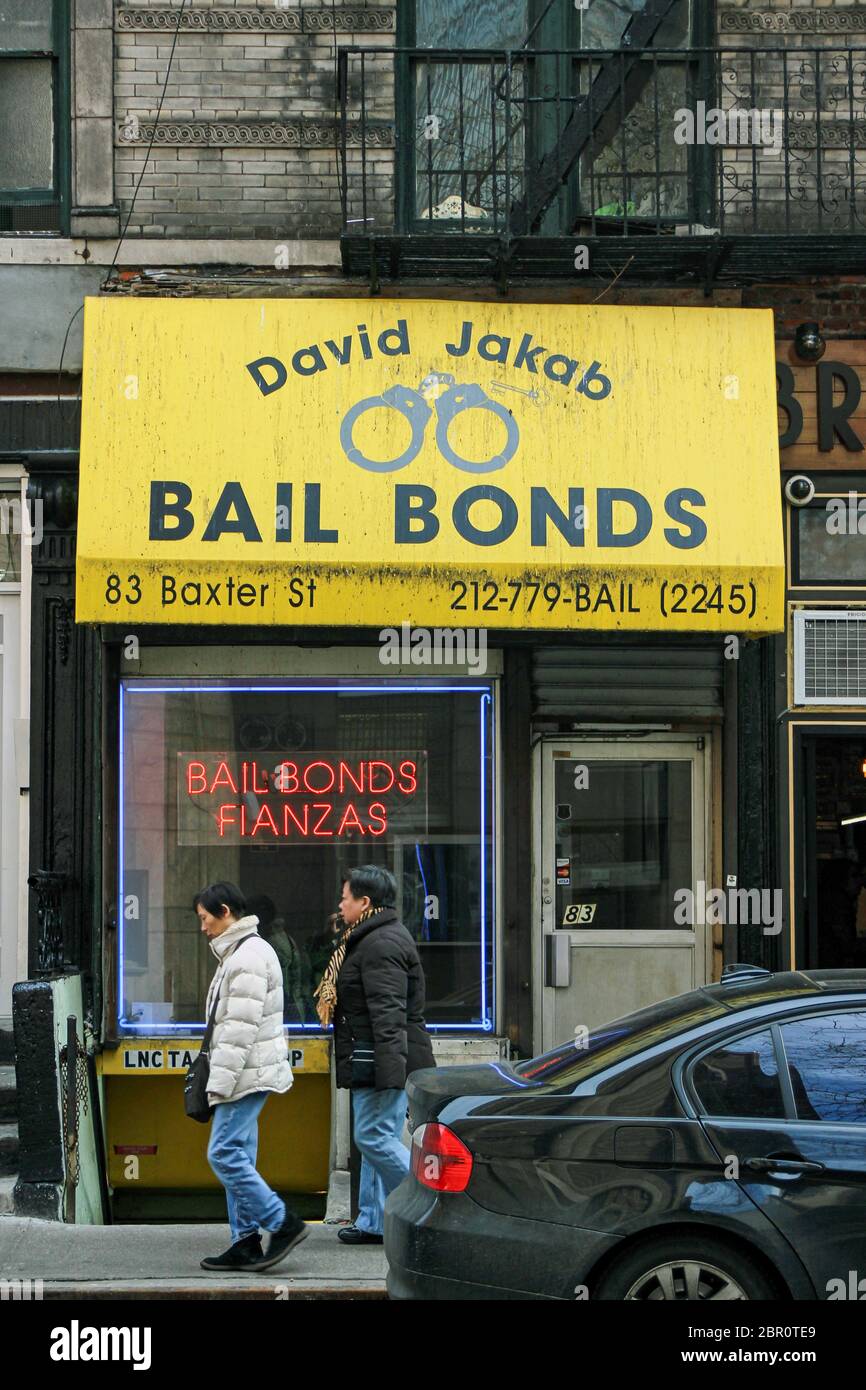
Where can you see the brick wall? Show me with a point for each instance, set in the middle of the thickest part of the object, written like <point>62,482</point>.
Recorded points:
<point>812,70</point>
<point>837,304</point>
<point>246,144</point>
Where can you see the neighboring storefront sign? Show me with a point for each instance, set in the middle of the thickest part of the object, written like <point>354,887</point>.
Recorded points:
<point>380,462</point>
<point>156,1057</point>
<point>822,410</point>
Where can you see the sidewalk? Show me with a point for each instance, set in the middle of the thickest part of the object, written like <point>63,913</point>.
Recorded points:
<point>118,1262</point>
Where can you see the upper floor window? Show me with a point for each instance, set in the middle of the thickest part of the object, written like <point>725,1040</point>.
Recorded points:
<point>471,23</point>
<point>603,23</point>
<point>500,140</point>
<point>509,23</point>
<point>34,115</point>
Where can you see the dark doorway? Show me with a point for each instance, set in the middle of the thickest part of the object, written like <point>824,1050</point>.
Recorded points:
<point>835,849</point>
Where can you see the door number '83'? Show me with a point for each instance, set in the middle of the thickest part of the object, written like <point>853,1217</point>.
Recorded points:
<point>578,913</point>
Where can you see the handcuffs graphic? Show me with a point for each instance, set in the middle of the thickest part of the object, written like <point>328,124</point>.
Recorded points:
<point>413,406</point>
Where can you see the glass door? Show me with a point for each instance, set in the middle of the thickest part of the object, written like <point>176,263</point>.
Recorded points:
<point>623,834</point>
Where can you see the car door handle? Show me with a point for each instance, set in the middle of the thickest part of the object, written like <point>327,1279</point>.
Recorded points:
<point>783,1164</point>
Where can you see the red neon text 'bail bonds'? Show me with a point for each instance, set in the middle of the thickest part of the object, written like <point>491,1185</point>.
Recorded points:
<point>367,777</point>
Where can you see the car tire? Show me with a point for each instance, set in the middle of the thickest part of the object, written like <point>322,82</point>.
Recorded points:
<point>683,1268</point>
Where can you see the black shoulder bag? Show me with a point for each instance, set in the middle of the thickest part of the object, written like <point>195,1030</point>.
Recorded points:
<point>195,1101</point>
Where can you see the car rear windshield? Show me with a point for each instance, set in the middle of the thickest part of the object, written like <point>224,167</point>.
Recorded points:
<point>592,1051</point>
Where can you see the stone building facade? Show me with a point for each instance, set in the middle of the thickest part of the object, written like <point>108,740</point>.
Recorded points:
<point>241,158</point>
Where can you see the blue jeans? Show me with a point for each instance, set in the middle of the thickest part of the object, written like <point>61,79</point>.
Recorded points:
<point>379,1117</point>
<point>231,1153</point>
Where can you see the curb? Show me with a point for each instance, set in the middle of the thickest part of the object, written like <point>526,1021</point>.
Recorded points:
<point>194,1289</point>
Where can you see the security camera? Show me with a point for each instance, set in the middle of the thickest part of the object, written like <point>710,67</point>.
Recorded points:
<point>809,345</point>
<point>799,490</point>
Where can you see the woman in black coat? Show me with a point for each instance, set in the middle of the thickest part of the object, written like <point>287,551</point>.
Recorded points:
<point>373,990</point>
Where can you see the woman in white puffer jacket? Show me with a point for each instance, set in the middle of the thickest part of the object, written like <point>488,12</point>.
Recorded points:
<point>248,1060</point>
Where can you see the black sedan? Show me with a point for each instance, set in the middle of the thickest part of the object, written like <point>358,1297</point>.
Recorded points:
<point>710,1147</point>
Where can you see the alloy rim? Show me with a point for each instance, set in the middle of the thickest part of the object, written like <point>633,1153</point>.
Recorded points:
<point>684,1281</point>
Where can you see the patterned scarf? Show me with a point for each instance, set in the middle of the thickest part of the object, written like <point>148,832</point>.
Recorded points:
<point>326,993</point>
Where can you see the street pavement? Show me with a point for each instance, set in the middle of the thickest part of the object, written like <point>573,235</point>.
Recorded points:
<point>118,1262</point>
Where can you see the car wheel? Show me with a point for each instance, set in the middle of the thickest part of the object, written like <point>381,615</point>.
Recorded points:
<point>684,1268</point>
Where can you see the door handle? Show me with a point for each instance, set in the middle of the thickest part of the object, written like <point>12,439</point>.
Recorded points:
<point>557,960</point>
<point>782,1163</point>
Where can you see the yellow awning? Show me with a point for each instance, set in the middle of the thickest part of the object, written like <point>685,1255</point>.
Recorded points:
<point>378,462</point>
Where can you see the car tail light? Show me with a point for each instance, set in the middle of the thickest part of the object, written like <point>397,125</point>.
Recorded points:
<point>440,1160</point>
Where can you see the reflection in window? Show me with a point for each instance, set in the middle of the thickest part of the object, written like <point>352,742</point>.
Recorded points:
<point>603,24</point>
<point>25,24</point>
<point>282,791</point>
<point>623,842</point>
<point>639,171</point>
<point>574,1062</point>
<point>636,168</point>
<point>741,1079</point>
<point>482,121</point>
<point>16,520</point>
<point>827,1060</point>
<point>468,131</point>
<point>33,56</point>
<point>831,556</point>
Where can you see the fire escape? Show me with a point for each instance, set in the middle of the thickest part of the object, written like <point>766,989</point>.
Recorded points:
<point>700,165</point>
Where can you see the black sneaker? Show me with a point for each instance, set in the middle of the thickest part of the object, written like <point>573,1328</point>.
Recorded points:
<point>241,1255</point>
<point>352,1235</point>
<point>290,1234</point>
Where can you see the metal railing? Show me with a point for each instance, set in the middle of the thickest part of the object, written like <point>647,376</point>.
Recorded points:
<point>734,141</point>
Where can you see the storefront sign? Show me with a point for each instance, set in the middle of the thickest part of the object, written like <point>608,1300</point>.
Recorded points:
<point>375,463</point>
<point>154,1057</point>
<point>158,1058</point>
<point>292,798</point>
<point>822,407</point>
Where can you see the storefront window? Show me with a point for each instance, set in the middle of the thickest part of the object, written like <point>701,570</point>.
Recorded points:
<point>282,789</point>
<point>16,520</point>
<point>830,546</point>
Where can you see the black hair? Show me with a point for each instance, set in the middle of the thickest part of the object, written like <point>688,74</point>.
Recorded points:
<point>369,881</point>
<point>217,895</point>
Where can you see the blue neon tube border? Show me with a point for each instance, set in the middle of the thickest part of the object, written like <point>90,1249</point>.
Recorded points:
<point>179,687</point>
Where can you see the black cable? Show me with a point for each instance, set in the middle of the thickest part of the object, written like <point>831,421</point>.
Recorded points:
<point>537,25</point>
<point>120,239</point>
<point>63,420</point>
<point>149,148</point>
<point>339,159</point>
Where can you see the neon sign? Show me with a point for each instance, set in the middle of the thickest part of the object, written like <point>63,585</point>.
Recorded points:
<point>232,798</point>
